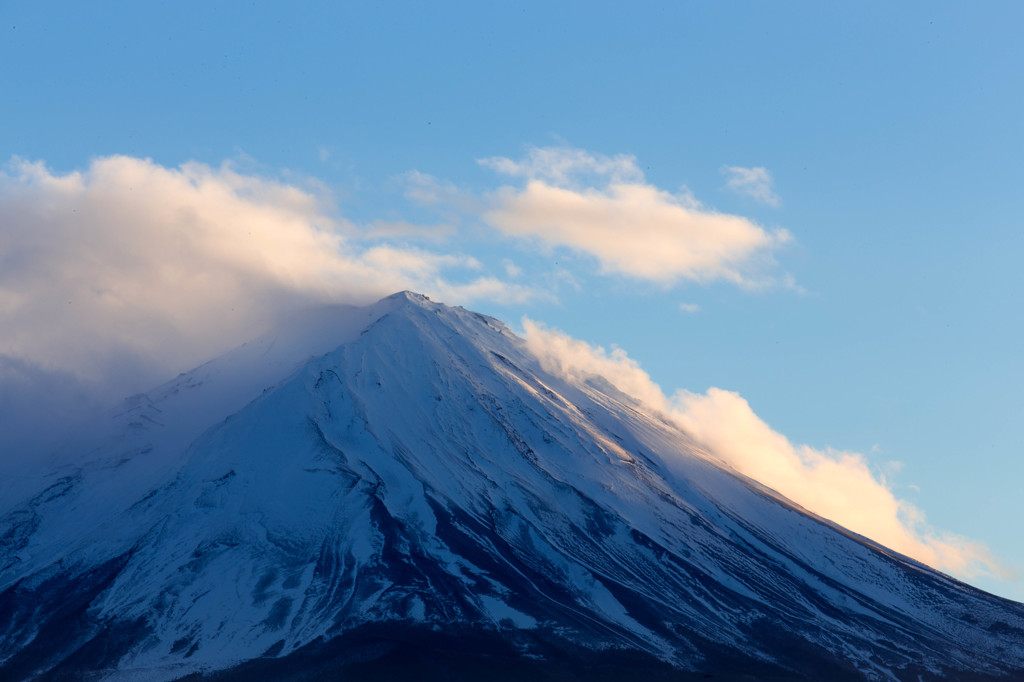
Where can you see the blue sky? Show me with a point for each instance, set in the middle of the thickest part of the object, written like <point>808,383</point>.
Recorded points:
<point>888,323</point>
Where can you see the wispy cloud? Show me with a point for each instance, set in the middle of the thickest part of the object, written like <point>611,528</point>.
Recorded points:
<point>836,485</point>
<point>427,190</point>
<point>567,167</point>
<point>755,183</point>
<point>511,269</point>
<point>602,206</point>
<point>689,307</point>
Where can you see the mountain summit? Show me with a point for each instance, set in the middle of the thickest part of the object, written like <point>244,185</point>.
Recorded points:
<point>401,490</point>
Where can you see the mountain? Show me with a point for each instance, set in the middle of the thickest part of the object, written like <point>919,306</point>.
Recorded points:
<point>401,491</point>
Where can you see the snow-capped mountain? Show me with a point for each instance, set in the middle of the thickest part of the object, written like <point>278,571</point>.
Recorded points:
<point>371,491</point>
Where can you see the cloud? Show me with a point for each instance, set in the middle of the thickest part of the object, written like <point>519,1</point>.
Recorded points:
<point>755,183</point>
<point>563,355</point>
<point>601,206</point>
<point>127,272</point>
<point>689,307</point>
<point>839,486</point>
<point>38,409</point>
<point>490,289</point>
<point>427,190</point>
<point>511,269</point>
<point>564,167</point>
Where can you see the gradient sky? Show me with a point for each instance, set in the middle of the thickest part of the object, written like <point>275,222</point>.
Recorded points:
<point>858,166</point>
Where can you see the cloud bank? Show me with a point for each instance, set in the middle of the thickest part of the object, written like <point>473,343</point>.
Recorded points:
<point>603,207</point>
<point>169,263</point>
<point>839,486</point>
<point>115,278</point>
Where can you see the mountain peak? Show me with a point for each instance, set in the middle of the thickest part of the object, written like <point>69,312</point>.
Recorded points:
<point>408,296</point>
<point>367,482</point>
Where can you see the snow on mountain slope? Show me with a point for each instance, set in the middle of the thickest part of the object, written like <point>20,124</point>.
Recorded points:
<point>162,422</point>
<point>412,465</point>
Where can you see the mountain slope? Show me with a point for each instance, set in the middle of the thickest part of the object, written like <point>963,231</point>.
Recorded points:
<point>421,490</point>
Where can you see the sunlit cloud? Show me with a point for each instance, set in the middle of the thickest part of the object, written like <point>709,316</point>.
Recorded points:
<point>839,486</point>
<point>574,359</point>
<point>128,270</point>
<point>755,183</point>
<point>603,207</point>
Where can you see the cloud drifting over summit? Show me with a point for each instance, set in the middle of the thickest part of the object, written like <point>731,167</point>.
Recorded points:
<point>602,206</point>
<point>839,486</point>
<point>129,270</point>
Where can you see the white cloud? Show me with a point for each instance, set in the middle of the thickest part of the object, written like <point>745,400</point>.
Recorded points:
<point>755,183</point>
<point>128,270</point>
<point>689,307</point>
<point>561,354</point>
<point>630,226</point>
<point>839,486</point>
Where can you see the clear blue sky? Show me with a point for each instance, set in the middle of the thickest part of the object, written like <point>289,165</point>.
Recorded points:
<point>889,324</point>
